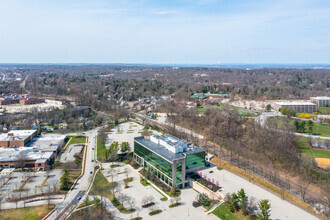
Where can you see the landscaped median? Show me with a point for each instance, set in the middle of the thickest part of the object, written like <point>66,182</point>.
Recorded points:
<point>155,212</point>
<point>102,186</point>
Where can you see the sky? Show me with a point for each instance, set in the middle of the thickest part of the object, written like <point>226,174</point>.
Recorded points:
<point>165,31</point>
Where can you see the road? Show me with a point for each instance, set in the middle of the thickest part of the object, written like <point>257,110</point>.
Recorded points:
<point>77,193</point>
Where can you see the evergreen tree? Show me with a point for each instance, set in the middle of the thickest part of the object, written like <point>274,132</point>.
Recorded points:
<point>65,180</point>
<point>264,207</point>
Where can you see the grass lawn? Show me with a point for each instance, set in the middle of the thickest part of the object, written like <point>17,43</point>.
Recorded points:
<point>100,149</point>
<point>324,110</point>
<point>77,140</point>
<point>223,213</point>
<point>101,186</point>
<point>302,142</point>
<point>315,153</point>
<point>73,175</point>
<point>321,130</point>
<point>30,213</point>
<point>202,109</point>
<point>318,129</point>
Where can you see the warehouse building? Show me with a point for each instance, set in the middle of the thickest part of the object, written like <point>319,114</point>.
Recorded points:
<point>25,99</point>
<point>170,158</point>
<point>296,106</point>
<point>321,101</point>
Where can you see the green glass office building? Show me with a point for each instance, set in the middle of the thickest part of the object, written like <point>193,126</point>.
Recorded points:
<point>168,157</point>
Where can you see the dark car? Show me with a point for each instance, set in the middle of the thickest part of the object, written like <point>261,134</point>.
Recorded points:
<point>91,172</point>
<point>93,148</point>
<point>211,171</point>
<point>79,198</point>
<point>92,160</point>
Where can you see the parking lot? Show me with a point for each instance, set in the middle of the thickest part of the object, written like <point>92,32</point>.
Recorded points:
<point>280,209</point>
<point>124,132</point>
<point>68,155</point>
<point>38,183</point>
<point>137,192</point>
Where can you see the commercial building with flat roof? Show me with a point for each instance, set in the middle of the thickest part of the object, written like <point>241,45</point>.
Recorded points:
<point>321,101</point>
<point>170,158</point>
<point>17,138</point>
<point>296,106</point>
<point>25,99</point>
<point>38,153</point>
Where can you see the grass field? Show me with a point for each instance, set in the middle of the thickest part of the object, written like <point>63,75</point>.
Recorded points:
<point>304,147</point>
<point>77,140</point>
<point>324,110</point>
<point>101,186</point>
<point>321,130</point>
<point>302,142</point>
<point>318,129</point>
<point>100,149</point>
<point>223,213</point>
<point>30,213</point>
<point>315,153</point>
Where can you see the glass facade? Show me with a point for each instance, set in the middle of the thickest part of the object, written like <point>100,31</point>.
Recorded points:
<point>152,158</point>
<point>152,161</point>
<point>195,160</point>
<point>178,173</point>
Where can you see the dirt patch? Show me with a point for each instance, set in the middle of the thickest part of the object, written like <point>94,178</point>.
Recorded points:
<point>323,162</point>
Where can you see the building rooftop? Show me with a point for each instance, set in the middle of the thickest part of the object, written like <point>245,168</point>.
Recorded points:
<point>28,153</point>
<point>166,152</point>
<point>41,147</point>
<point>294,103</point>
<point>47,142</point>
<point>16,134</point>
<point>321,98</point>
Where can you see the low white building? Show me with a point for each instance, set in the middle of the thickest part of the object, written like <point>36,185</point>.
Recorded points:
<point>321,101</point>
<point>297,106</point>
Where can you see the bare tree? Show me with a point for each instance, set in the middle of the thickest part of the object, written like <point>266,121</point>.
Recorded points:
<point>177,199</point>
<point>151,199</point>
<point>145,200</point>
<point>303,185</point>
<point>48,195</point>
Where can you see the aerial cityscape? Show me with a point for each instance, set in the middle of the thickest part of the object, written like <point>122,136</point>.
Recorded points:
<point>130,110</point>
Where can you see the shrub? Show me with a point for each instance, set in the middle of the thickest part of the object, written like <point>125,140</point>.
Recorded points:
<point>196,204</point>
<point>148,205</point>
<point>155,212</point>
<point>204,200</point>
<point>175,205</point>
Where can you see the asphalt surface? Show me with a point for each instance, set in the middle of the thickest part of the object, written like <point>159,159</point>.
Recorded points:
<point>77,193</point>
